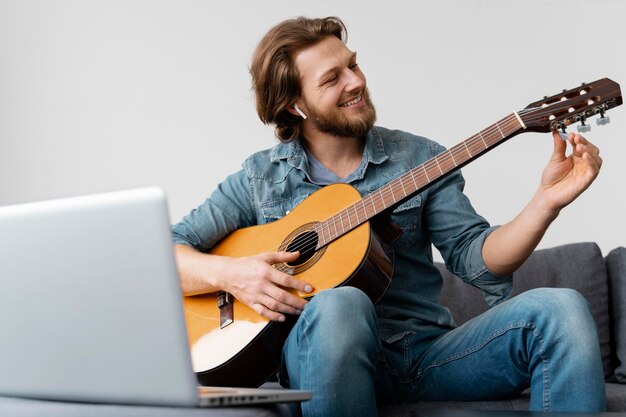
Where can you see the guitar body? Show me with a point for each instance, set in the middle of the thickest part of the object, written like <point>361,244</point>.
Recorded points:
<point>247,351</point>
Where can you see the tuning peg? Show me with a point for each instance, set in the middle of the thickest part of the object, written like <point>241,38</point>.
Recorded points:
<point>603,120</point>
<point>583,128</point>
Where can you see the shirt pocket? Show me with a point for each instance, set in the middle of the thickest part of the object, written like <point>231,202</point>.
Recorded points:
<point>279,208</point>
<point>407,217</point>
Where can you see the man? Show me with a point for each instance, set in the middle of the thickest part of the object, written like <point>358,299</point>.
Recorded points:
<point>353,355</point>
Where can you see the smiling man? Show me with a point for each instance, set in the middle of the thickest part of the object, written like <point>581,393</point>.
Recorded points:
<point>356,356</point>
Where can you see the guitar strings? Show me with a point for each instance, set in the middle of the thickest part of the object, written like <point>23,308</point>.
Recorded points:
<point>438,160</point>
<point>443,158</point>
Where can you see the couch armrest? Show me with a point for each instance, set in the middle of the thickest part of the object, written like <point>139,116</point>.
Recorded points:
<point>616,268</point>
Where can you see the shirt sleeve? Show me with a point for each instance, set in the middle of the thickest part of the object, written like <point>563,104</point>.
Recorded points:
<point>229,208</point>
<point>458,232</point>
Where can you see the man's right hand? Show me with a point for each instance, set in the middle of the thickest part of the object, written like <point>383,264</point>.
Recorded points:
<point>252,280</point>
<point>264,288</point>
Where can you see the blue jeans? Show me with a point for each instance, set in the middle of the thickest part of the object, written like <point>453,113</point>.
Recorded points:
<point>543,338</point>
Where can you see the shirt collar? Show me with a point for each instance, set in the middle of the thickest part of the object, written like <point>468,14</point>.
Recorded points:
<point>293,151</point>
<point>374,148</point>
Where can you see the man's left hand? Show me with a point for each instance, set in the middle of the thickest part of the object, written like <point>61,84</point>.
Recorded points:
<point>566,177</point>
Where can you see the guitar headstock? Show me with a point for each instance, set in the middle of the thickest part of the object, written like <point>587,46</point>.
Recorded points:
<point>571,106</point>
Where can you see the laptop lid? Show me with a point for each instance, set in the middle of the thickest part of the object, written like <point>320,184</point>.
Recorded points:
<point>90,303</point>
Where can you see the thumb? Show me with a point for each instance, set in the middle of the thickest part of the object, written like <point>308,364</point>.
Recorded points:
<point>560,146</point>
<point>276,257</point>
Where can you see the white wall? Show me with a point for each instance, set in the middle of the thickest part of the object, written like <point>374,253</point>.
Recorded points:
<point>106,95</point>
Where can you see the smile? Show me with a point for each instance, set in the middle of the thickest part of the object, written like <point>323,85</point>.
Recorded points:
<point>352,102</point>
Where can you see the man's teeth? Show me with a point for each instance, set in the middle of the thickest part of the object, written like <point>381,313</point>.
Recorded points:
<point>351,102</point>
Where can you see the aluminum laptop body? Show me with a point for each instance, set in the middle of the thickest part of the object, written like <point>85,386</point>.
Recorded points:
<point>91,306</point>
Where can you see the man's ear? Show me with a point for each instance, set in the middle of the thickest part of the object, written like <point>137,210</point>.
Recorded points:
<point>295,110</point>
<point>300,112</point>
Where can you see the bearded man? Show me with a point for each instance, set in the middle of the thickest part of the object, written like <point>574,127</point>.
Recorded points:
<point>356,356</point>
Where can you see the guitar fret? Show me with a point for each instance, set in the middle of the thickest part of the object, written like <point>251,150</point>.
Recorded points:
<point>438,166</point>
<point>320,233</point>
<point>500,130</point>
<point>424,168</point>
<point>452,156</point>
<point>413,178</point>
<point>358,219</point>
<point>326,231</point>
<point>519,119</point>
<point>483,139</point>
<point>467,149</point>
<point>372,203</point>
<point>403,190</point>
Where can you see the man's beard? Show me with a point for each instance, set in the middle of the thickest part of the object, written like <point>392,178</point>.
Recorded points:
<point>336,123</point>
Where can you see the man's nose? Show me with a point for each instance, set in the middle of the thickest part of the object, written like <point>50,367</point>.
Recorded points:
<point>354,81</point>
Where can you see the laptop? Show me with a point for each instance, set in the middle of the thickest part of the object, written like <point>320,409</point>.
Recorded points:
<point>91,306</point>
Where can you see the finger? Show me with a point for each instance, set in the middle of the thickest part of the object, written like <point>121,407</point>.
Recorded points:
<point>273,258</point>
<point>560,146</point>
<point>594,163</point>
<point>274,303</point>
<point>557,135</point>
<point>581,141</point>
<point>571,138</point>
<point>584,146</point>
<point>283,277</point>
<point>289,303</point>
<point>267,313</point>
<point>288,281</point>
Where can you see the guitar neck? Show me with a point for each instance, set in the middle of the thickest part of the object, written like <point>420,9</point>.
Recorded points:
<point>417,179</point>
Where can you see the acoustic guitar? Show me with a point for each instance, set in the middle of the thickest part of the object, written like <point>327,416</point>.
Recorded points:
<point>336,231</point>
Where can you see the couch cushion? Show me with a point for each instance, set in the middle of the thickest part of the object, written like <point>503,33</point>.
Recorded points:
<point>615,401</point>
<point>579,266</point>
<point>616,268</point>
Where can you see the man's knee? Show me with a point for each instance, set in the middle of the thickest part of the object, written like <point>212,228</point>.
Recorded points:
<point>561,311</point>
<point>343,313</point>
<point>340,299</point>
<point>555,301</point>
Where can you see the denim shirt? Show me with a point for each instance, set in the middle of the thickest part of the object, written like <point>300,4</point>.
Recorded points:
<point>274,181</point>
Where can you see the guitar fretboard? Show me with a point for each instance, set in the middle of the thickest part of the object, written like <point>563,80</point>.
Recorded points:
<point>416,179</point>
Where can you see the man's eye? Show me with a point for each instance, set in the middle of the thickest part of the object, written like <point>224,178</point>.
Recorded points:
<point>354,66</point>
<point>331,80</point>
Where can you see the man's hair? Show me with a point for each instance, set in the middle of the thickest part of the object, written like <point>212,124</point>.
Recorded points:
<point>275,78</point>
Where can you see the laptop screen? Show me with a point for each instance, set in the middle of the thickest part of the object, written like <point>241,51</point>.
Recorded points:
<point>90,302</point>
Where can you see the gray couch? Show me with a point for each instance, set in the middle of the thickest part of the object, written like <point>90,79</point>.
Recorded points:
<point>580,266</point>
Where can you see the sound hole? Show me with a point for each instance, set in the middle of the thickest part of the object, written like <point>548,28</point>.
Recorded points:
<point>305,243</point>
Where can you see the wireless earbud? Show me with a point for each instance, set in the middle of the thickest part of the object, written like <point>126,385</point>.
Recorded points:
<point>300,112</point>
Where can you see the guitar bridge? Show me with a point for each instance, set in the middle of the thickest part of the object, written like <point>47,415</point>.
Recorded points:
<point>225,304</point>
